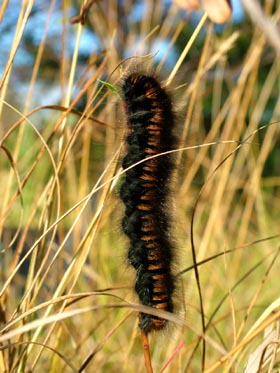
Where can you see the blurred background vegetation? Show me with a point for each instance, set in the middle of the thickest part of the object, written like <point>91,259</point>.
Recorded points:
<point>67,300</point>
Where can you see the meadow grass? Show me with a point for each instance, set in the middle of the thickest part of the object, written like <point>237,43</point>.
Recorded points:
<point>67,302</point>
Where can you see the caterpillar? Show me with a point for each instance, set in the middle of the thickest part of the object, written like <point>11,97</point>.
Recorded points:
<point>145,193</point>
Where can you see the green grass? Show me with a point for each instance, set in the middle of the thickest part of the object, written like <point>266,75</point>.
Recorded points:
<point>66,289</point>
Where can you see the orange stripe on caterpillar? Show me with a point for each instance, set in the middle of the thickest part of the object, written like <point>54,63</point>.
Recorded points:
<point>145,193</point>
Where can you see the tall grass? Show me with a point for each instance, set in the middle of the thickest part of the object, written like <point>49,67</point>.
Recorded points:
<point>67,300</point>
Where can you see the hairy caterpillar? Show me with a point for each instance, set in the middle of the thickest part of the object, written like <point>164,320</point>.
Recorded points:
<point>150,121</point>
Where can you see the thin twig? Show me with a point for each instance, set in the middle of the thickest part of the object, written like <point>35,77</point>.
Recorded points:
<point>147,354</point>
<point>82,16</point>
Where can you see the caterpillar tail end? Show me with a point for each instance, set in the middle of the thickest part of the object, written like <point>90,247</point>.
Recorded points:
<point>149,323</point>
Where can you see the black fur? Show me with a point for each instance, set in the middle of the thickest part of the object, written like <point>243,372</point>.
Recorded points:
<point>145,191</point>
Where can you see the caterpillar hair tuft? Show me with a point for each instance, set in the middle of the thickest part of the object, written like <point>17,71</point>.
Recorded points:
<point>145,193</point>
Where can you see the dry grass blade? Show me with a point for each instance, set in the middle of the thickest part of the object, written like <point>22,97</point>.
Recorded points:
<point>267,25</point>
<point>61,138</point>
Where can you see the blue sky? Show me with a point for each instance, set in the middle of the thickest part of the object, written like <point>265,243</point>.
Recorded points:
<point>89,42</point>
